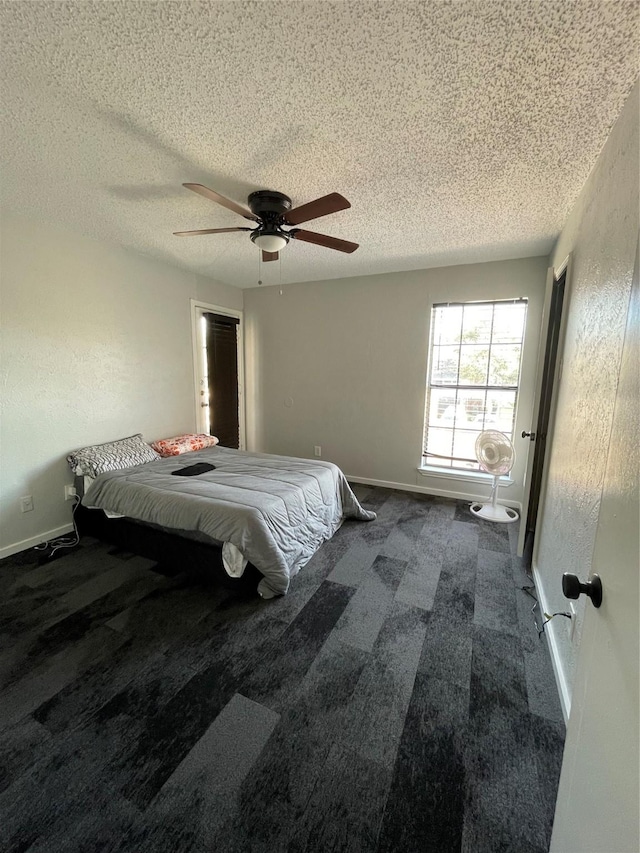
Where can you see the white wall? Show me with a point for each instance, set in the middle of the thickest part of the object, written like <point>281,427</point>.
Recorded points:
<point>96,345</point>
<point>601,233</point>
<point>342,364</point>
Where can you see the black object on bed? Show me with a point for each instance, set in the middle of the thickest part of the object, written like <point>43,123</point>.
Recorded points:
<point>194,470</point>
<point>200,559</point>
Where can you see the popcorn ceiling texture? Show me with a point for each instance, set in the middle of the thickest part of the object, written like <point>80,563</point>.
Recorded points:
<point>460,132</point>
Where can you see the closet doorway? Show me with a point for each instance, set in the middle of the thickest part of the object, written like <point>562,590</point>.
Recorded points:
<point>219,372</point>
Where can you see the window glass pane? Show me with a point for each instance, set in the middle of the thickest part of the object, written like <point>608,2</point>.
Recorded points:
<point>464,447</point>
<point>439,442</point>
<point>440,400</point>
<point>508,323</point>
<point>447,322</point>
<point>504,366</point>
<point>444,365</point>
<point>500,411</point>
<point>454,416</point>
<point>474,364</point>
<point>474,403</point>
<point>476,327</point>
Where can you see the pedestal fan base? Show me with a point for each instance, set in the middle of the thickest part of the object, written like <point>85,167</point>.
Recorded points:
<point>499,513</point>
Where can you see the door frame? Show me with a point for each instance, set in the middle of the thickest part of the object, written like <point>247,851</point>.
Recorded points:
<point>198,308</point>
<point>565,267</point>
<point>553,275</point>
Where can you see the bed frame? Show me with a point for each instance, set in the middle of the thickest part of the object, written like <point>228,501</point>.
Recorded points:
<point>169,549</point>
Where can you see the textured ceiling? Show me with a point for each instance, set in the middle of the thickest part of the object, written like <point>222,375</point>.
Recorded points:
<point>460,132</point>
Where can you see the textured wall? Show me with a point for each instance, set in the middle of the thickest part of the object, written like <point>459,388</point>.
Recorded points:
<point>342,364</point>
<point>601,234</point>
<point>96,345</point>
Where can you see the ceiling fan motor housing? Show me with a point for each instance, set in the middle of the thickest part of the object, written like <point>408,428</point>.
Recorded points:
<point>269,205</point>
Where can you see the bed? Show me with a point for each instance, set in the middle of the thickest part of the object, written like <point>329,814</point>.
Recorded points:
<point>261,510</point>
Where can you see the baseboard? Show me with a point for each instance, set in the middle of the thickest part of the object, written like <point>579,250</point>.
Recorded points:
<point>551,630</point>
<point>429,490</point>
<point>9,550</point>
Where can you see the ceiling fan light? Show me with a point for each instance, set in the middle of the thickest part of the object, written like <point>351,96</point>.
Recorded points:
<point>270,242</point>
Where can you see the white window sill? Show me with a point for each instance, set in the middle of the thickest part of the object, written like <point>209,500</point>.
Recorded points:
<point>463,476</point>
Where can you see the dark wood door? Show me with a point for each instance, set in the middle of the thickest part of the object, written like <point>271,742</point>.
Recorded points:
<point>222,378</point>
<point>544,413</point>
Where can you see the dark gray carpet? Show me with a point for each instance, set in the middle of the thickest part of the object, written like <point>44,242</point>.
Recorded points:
<point>398,699</point>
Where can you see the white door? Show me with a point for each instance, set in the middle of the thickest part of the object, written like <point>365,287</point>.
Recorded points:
<point>597,807</point>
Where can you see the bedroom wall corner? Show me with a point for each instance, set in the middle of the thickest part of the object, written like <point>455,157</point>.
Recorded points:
<point>214,292</point>
<point>96,345</point>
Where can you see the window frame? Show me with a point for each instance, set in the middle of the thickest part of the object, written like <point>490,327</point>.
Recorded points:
<point>429,464</point>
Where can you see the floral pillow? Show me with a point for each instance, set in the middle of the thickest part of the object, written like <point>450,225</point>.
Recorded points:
<point>183,444</point>
<point>112,456</point>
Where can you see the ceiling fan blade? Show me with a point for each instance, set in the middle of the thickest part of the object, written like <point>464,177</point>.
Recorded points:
<point>212,195</point>
<point>208,231</point>
<point>331,203</point>
<point>323,240</point>
<point>269,256</point>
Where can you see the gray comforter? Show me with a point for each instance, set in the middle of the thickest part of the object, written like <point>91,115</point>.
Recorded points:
<point>276,510</point>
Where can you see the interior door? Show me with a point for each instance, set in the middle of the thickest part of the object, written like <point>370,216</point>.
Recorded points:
<point>219,373</point>
<point>536,437</point>
<point>597,806</point>
<point>221,343</point>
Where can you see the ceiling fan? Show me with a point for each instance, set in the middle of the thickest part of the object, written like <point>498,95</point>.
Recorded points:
<point>271,211</point>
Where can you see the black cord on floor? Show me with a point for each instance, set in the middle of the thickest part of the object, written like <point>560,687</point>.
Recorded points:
<point>69,540</point>
<point>531,594</point>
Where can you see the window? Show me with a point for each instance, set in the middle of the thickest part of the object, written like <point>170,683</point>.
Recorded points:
<point>474,373</point>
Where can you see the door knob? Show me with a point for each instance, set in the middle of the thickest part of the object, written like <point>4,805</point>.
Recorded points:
<point>572,587</point>
<point>532,435</point>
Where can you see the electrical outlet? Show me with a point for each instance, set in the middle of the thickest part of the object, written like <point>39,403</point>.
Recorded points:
<point>317,450</point>
<point>69,493</point>
<point>26,503</point>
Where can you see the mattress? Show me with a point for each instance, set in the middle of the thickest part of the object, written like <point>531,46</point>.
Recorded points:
<point>275,511</point>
